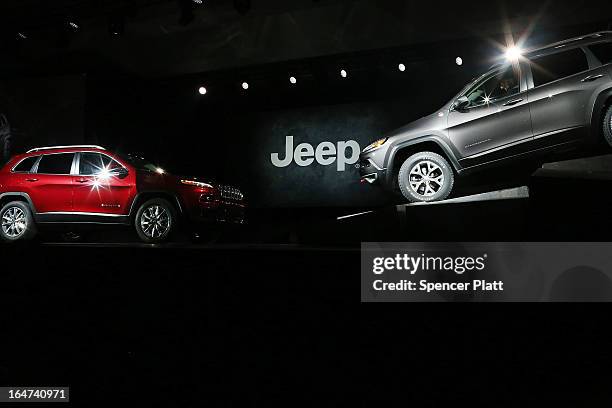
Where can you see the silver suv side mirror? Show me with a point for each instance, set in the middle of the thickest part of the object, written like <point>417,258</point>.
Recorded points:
<point>461,103</point>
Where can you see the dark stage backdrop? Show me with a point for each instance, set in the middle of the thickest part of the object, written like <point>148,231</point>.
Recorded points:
<point>307,157</point>
<point>40,112</point>
<point>257,150</point>
<point>243,137</point>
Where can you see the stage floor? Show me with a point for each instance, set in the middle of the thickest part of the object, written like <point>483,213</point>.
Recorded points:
<point>184,324</point>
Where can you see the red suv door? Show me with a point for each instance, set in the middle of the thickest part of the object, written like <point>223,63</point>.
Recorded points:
<point>50,183</point>
<point>102,185</point>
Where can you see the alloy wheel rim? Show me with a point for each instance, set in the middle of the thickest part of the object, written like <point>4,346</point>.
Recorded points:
<point>426,178</point>
<point>14,222</point>
<point>155,221</point>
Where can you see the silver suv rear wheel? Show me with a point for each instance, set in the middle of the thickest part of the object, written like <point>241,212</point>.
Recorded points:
<point>607,125</point>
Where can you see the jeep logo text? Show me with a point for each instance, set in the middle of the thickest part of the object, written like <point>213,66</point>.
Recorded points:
<point>326,153</point>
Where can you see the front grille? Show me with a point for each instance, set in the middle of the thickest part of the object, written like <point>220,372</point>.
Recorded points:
<point>231,193</point>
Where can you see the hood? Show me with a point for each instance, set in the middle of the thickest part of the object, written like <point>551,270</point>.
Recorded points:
<point>435,122</point>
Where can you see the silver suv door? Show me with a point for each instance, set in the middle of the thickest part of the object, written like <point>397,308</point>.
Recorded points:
<point>496,121</point>
<point>564,85</point>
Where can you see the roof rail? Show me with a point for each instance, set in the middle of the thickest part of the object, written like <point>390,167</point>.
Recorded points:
<point>37,149</point>
<point>571,40</point>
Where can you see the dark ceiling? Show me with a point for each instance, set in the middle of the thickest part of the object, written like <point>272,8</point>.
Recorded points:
<point>165,38</point>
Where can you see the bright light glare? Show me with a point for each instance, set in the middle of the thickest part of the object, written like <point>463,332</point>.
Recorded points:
<point>459,61</point>
<point>513,53</point>
<point>343,73</point>
<point>293,80</point>
<point>160,170</point>
<point>202,90</point>
<point>401,67</point>
<point>104,174</point>
<point>245,85</point>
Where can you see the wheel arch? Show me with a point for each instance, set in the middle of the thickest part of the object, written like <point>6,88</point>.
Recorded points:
<point>148,195</point>
<point>7,197</point>
<point>602,102</point>
<point>400,152</point>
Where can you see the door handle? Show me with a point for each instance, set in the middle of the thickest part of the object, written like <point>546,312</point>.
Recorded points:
<point>82,180</point>
<point>31,180</point>
<point>512,102</point>
<point>592,78</point>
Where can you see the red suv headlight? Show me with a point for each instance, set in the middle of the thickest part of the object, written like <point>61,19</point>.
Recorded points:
<point>197,184</point>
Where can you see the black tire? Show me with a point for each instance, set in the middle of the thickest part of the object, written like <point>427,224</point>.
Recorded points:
<point>146,210</point>
<point>26,218</point>
<point>425,191</point>
<point>607,125</point>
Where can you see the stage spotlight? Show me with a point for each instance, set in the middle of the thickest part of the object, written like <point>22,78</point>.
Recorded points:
<point>202,90</point>
<point>293,80</point>
<point>401,67</point>
<point>459,61</point>
<point>245,85</point>
<point>198,1</point>
<point>513,53</point>
<point>73,25</point>
<point>343,73</point>
<point>21,35</point>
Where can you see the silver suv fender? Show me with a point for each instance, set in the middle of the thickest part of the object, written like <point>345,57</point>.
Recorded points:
<point>423,140</point>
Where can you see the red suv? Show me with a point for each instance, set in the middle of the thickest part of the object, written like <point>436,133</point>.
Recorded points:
<point>89,185</point>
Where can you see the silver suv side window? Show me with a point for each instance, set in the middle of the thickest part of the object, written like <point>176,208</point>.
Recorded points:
<point>556,66</point>
<point>603,52</point>
<point>499,84</point>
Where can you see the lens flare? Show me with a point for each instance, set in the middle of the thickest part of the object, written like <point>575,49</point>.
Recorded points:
<point>513,53</point>
<point>103,174</point>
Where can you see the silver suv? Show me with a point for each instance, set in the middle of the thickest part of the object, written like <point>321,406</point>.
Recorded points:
<point>541,102</point>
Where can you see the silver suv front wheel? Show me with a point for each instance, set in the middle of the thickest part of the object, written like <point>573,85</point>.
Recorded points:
<point>425,176</point>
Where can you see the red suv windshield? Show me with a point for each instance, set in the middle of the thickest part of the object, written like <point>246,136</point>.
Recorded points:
<point>141,163</point>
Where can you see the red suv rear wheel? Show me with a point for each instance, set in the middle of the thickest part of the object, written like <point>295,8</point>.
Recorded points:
<point>16,222</point>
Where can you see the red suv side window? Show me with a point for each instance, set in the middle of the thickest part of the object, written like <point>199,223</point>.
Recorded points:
<point>25,166</point>
<point>59,163</point>
<point>93,163</point>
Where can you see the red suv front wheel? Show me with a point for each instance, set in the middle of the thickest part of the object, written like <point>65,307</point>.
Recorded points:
<point>155,221</point>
